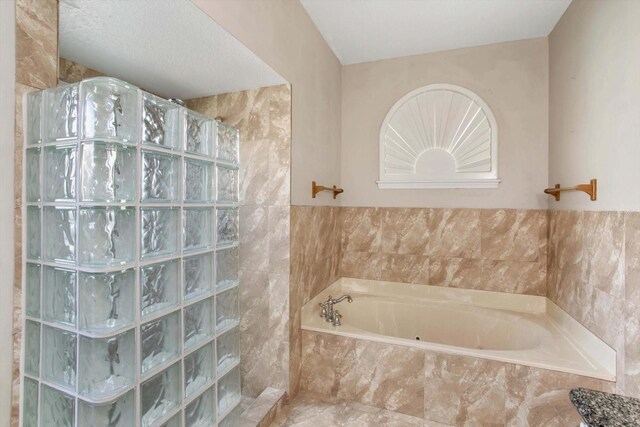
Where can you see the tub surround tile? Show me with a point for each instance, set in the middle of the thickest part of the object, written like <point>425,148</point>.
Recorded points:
<point>315,264</point>
<point>454,233</point>
<point>456,272</point>
<point>361,229</point>
<point>308,412</point>
<point>604,251</point>
<point>632,349</point>
<point>632,257</point>
<point>404,268</point>
<point>405,231</point>
<point>362,265</point>
<point>461,390</point>
<point>515,277</point>
<point>537,397</point>
<point>593,275</point>
<point>37,43</point>
<point>328,366</point>
<point>469,248</point>
<point>390,377</point>
<point>510,235</point>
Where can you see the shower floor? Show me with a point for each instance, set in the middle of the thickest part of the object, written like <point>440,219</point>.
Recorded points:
<point>307,412</point>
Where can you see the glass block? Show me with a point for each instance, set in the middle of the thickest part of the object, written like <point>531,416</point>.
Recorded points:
<point>199,134</point>
<point>118,413</point>
<point>160,341</point>
<point>61,110</point>
<point>33,104</point>
<point>161,120</point>
<point>110,109</point>
<point>198,275</point>
<point>160,177</point>
<point>229,390</point>
<point>160,394</point>
<point>60,173</point>
<point>159,286</point>
<point>198,370</point>
<point>107,365</point>
<point>106,301</point>
<point>33,232</point>
<point>175,421</point>
<point>30,403</point>
<point>107,172</point>
<point>233,418</point>
<point>227,142</point>
<point>32,348</point>
<point>227,265</point>
<point>228,348</point>
<point>198,234</point>
<point>202,411</point>
<point>227,310</point>
<point>59,291</point>
<point>32,174</point>
<point>198,181</point>
<point>107,236</point>
<point>198,323</point>
<point>60,234</point>
<point>59,363</point>
<point>57,408</point>
<point>159,232</point>
<point>227,181</point>
<point>32,297</point>
<point>227,226</point>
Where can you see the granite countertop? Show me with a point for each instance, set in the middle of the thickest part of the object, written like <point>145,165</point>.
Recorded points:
<point>600,409</point>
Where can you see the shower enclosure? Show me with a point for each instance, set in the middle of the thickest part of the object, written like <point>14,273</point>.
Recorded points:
<point>131,271</point>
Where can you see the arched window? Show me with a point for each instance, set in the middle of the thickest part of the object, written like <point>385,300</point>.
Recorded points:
<point>439,136</point>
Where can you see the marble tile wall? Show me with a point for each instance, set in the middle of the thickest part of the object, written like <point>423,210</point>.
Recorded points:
<point>315,262</point>
<point>72,72</point>
<point>36,68</point>
<point>491,249</point>
<point>263,117</point>
<point>442,388</point>
<point>594,275</point>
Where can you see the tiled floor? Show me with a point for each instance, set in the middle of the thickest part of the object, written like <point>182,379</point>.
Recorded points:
<point>307,412</point>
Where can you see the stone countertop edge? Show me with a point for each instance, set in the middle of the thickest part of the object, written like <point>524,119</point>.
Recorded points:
<point>601,409</point>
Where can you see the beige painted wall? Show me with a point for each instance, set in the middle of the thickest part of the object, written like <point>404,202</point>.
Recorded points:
<point>594,85</point>
<point>7,109</point>
<point>511,77</point>
<point>281,33</point>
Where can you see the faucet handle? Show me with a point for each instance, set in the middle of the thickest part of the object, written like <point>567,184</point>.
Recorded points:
<point>336,318</point>
<point>323,311</point>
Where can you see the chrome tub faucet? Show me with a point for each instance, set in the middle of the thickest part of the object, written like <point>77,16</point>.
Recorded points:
<point>328,313</point>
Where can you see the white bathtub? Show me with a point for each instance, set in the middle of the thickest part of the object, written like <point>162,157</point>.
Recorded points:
<point>521,329</point>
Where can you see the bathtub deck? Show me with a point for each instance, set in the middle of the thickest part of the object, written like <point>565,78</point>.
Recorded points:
<point>308,412</point>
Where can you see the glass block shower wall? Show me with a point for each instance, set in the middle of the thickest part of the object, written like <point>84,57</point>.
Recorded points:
<point>131,268</point>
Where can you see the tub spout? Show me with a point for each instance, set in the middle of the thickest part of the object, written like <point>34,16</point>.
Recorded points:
<point>327,308</point>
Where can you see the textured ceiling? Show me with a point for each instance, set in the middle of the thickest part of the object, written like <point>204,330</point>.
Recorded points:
<point>370,30</point>
<point>169,47</point>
